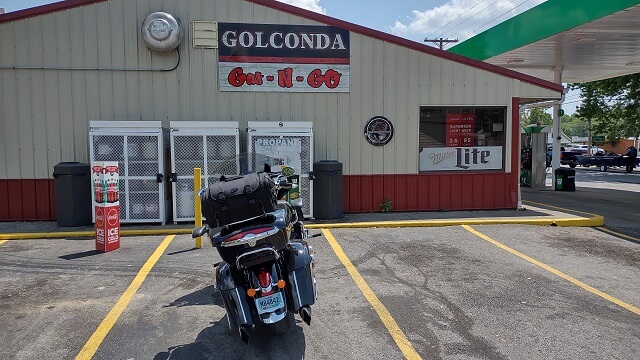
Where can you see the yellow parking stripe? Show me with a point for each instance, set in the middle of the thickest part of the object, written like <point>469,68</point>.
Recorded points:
<point>103,329</point>
<point>572,280</point>
<point>557,207</point>
<point>398,336</point>
<point>3,241</point>
<point>614,233</point>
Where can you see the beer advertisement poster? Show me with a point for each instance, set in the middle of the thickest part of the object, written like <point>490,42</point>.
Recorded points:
<point>461,158</point>
<point>284,58</point>
<point>460,130</point>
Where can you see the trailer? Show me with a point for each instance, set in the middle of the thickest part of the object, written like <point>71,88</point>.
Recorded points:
<point>604,162</point>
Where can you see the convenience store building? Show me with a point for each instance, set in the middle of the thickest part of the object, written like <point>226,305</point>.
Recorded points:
<point>424,128</point>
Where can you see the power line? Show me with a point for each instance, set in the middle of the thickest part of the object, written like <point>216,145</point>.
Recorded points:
<point>479,19</point>
<point>470,17</point>
<point>456,18</point>
<point>495,19</point>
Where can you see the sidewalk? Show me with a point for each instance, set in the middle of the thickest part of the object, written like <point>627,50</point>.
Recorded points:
<point>531,214</point>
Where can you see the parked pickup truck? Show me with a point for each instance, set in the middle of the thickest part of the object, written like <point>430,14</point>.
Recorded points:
<point>629,160</point>
<point>566,157</point>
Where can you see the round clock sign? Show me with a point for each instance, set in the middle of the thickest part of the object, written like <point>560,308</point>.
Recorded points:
<point>378,131</point>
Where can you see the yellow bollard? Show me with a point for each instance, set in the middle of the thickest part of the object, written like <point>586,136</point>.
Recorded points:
<point>197,183</point>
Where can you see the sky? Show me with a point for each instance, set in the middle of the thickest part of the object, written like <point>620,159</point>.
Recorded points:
<point>416,20</point>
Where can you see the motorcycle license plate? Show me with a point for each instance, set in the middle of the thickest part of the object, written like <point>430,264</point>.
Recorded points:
<point>269,303</point>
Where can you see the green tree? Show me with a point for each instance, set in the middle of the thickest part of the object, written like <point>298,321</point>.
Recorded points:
<point>536,116</point>
<point>573,125</point>
<point>612,105</point>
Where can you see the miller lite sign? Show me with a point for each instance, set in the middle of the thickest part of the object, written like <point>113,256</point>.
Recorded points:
<point>106,204</point>
<point>461,158</point>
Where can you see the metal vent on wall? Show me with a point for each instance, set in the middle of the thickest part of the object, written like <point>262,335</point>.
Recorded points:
<point>205,34</point>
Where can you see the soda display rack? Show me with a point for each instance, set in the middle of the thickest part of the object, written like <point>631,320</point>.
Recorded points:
<point>139,148</point>
<point>212,146</point>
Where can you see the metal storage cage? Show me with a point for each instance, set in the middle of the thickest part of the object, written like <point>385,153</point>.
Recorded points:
<point>138,147</point>
<point>291,142</point>
<point>212,146</point>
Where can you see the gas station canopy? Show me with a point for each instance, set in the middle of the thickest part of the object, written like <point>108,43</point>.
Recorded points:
<point>585,40</point>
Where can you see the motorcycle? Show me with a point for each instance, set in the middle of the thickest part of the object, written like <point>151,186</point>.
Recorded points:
<point>266,273</point>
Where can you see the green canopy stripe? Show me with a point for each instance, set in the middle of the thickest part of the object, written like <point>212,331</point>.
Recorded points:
<point>547,19</point>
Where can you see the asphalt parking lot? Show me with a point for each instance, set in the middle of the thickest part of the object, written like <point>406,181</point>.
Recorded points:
<point>456,292</point>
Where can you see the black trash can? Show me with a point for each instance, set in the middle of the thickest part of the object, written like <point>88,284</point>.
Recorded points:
<point>73,193</point>
<point>564,179</point>
<point>327,189</point>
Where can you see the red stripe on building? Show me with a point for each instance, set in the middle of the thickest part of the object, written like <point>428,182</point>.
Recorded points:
<point>430,192</point>
<point>27,199</point>
<point>4,199</point>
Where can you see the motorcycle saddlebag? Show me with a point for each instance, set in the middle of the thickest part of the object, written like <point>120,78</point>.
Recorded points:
<point>238,198</point>
<point>302,284</point>
<point>236,302</point>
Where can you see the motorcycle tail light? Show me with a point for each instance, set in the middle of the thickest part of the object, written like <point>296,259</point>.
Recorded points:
<point>250,235</point>
<point>264,278</point>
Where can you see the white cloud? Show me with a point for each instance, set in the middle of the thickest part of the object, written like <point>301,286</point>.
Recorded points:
<point>460,19</point>
<point>312,5</point>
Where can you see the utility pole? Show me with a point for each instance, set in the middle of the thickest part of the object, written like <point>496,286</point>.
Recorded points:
<point>441,41</point>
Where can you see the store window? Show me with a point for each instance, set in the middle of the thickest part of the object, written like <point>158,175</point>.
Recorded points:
<point>462,138</point>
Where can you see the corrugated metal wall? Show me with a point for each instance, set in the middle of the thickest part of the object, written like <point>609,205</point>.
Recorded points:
<point>45,113</point>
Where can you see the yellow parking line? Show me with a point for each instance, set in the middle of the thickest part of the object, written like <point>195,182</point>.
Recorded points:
<point>557,207</point>
<point>614,233</point>
<point>3,241</point>
<point>105,326</point>
<point>554,271</point>
<point>398,336</point>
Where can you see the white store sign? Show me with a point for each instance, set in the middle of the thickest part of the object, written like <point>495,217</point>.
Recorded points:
<point>461,158</point>
<point>283,77</point>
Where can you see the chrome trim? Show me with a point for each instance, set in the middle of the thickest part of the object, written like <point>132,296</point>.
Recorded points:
<point>255,252</point>
<point>250,238</point>
<point>273,317</point>
<point>240,306</point>
<point>295,280</point>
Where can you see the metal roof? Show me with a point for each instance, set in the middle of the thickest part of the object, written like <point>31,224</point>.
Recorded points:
<point>588,40</point>
<point>69,4</point>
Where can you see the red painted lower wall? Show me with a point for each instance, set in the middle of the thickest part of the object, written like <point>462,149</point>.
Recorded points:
<point>423,192</point>
<point>27,199</point>
<point>34,199</point>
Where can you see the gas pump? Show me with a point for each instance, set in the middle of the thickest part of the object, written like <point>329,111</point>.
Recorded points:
<point>533,167</point>
<point>525,165</point>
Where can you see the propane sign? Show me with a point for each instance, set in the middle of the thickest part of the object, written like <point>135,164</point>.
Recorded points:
<point>106,203</point>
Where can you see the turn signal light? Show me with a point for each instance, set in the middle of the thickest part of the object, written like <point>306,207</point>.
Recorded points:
<point>281,284</point>
<point>251,292</point>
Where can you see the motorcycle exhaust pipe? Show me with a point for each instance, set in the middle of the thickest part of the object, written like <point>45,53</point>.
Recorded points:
<point>305,314</point>
<point>245,333</point>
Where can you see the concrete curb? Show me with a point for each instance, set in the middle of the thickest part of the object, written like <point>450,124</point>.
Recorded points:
<point>573,221</point>
<point>593,221</point>
<point>72,234</point>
